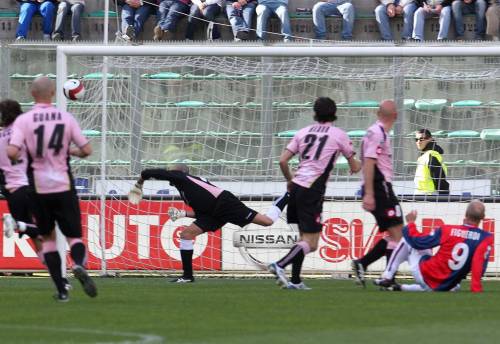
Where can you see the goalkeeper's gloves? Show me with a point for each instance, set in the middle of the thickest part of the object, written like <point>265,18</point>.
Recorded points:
<point>135,194</point>
<point>175,213</point>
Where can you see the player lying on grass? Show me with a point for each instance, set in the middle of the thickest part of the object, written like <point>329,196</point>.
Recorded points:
<point>463,248</point>
<point>318,146</point>
<point>212,207</point>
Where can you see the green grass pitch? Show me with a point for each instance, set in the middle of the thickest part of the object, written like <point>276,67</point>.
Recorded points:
<point>151,310</point>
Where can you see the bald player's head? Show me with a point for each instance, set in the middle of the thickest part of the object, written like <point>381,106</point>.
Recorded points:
<point>387,112</point>
<point>180,167</point>
<point>43,89</point>
<point>475,212</point>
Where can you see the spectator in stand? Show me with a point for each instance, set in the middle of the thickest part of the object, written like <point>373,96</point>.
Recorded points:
<point>328,8</point>
<point>431,8</point>
<point>430,176</point>
<point>265,9</point>
<point>390,9</point>
<point>493,20</point>
<point>169,13</point>
<point>240,14</point>
<point>27,8</point>
<point>461,7</point>
<point>76,8</point>
<point>134,16</point>
<point>203,10</point>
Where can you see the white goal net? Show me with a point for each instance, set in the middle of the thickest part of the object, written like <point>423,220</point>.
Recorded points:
<point>229,118</point>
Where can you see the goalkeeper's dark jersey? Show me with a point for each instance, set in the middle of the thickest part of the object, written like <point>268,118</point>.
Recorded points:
<point>196,192</point>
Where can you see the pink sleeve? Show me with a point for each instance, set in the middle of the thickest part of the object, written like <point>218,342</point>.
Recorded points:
<point>345,145</point>
<point>371,145</point>
<point>293,146</point>
<point>17,137</point>
<point>76,134</point>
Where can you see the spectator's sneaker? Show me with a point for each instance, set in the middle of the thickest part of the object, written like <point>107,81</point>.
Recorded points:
<point>20,38</point>
<point>242,35</point>
<point>298,286</point>
<point>56,36</point>
<point>157,33</point>
<point>384,283</point>
<point>183,279</point>
<point>61,297</point>
<point>88,284</point>
<point>76,38</point>
<point>359,272</point>
<point>9,225</point>
<point>279,273</point>
<point>129,34</point>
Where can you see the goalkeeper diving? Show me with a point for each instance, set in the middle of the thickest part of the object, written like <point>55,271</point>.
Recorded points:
<point>212,207</point>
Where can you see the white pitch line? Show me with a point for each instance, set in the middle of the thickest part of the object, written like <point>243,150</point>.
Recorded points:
<point>142,338</point>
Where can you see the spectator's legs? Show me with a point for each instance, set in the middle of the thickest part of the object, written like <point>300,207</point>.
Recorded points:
<point>383,23</point>
<point>211,12</point>
<point>141,15</point>
<point>235,18</point>
<point>76,16</point>
<point>163,11</point>
<point>444,23</point>
<point>320,11</point>
<point>194,13</point>
<point>408,15</point>
<point>263,13</point>
<point>480,9</point>
<point>286,29</point>
<point>347,12</point>
<point>419,24</point>
<point>493,21</point>
<point>127,17</point>
<point>178,11</point>
<point>26,12</point>
<point>47,10</point>
<point>457,8</point>
<point>62,11</point>
<point>248,12</point>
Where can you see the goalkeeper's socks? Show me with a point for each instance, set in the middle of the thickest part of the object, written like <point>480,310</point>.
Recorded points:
<point>301,247</point>
<point>187,263</point>
<point>53,261</point>
<point>279,204</point>
<point>297,267</point>
<point>377,252</point>
<point>77,250</point>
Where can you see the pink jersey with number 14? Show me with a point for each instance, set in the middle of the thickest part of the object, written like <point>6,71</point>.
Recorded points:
<point>318,146</point>
<point>48,133</point>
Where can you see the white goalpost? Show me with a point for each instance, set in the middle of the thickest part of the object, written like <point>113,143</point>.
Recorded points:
<point>228,112</point>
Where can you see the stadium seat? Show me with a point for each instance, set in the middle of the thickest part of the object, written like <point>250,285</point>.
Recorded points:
<point>100,14</point>
<point>288,133</point>
<point>293,105</point>
<point>430,104</point>
<point>162,76</point>
<point>222,105</point>
<point>91,133</point>
<point>356,133</point>
<point>463,134</point>
<point>409,104</point>
<point>363,103</point>
<point>466,103</point>
<point>98,76</point>
<point>190,103</point>
<point>490,134</point>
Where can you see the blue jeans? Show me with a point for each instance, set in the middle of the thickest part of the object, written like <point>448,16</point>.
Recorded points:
<point>479,8</point>
<point>324,9</point>
<point>136,16</point>
<point>384,25</point>
<point>241,20</point>
<point>419,23</point>
<point>26,12</point>
<point>167,19</point>
<point>209,13</point>
<point>263,14</point>
<point>63,10</point>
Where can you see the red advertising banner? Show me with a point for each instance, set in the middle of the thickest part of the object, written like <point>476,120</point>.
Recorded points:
<point>136,238</point>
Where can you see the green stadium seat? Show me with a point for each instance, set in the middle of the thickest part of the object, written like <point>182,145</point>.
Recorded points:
<point>201,77</point>
<point>8,14</point>
<point>440,133</point>
<point>190,103</point>
<point>430,104</point>
<point>293,105</point>
<point>463,134</point>
<point>156,133</point>
<point>157,105</point>
<point>287,133</point>
<point>363,103</point>
<point>223,105</point>
<point>101,14</point>
<point>98,76</point>
<point>356,133</point>
<point>409,104</point>
<point>91,133</point>
<point>466,103</point>
<point>162,76</point>
<point>490,134</point>
<point>252,105</point>
<point>237,77</point>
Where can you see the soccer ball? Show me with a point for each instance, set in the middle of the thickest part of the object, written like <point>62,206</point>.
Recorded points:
<point>73,89</point>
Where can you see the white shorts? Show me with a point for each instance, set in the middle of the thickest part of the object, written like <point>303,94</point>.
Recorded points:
<point>414,258</point>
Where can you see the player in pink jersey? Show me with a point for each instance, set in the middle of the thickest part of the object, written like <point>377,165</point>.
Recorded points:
<point>318,146</point>
<point>462,249</point>
<point>378,195</point>
<point>14,181</point>
<point>48,134</point>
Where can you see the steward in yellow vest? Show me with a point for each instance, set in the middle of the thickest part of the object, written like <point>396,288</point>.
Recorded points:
<point>430,176</point>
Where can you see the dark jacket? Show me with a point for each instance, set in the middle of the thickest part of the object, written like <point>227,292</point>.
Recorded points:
<point>445,3</point>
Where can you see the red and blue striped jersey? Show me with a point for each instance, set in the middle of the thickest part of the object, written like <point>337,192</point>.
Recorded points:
<point>463,249</point>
